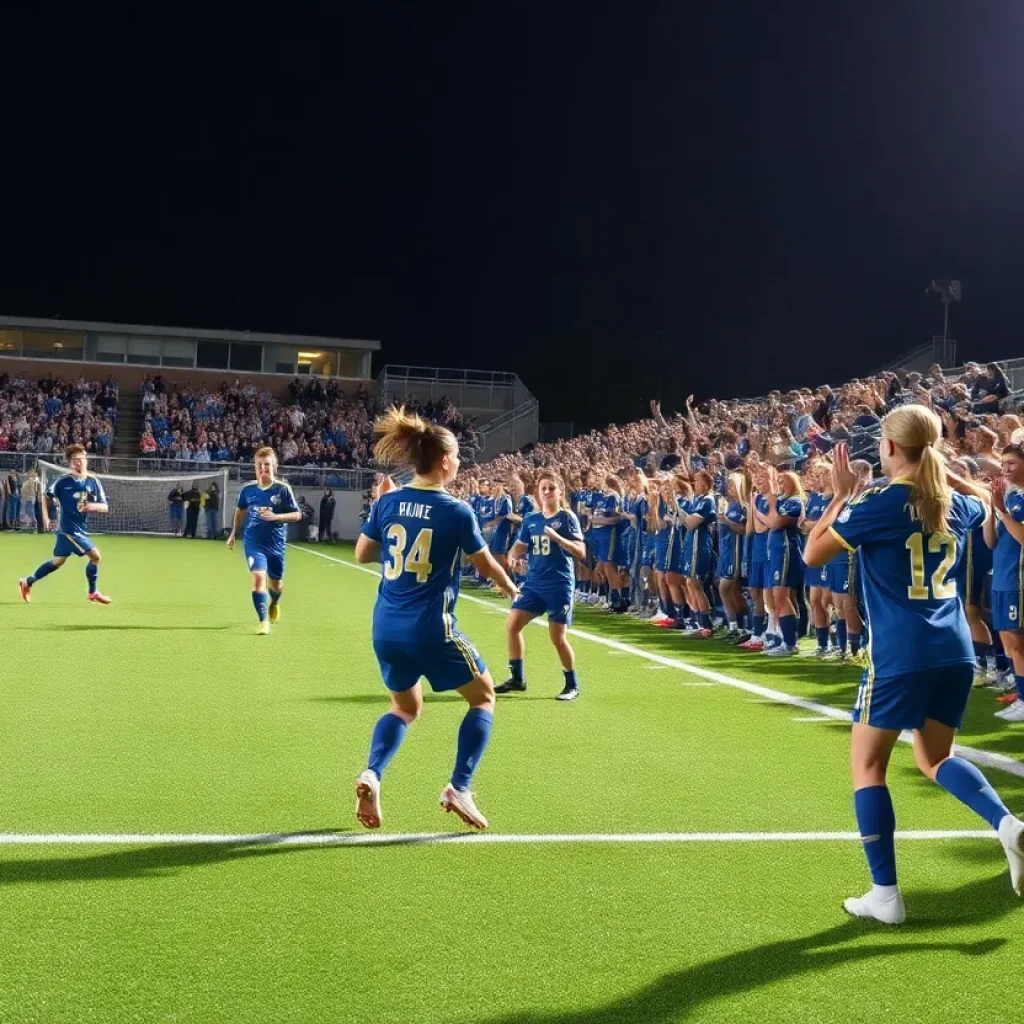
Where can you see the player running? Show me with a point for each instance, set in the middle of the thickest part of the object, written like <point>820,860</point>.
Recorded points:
<point>77,494</point>
<point>264,508</point>
<point>920,661</point>
<point>417,534</point>
<point>552,538</point>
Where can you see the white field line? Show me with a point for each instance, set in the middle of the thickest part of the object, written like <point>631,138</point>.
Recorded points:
<point>812,718</point>
<point>981,757</point>
<point>438,838</point>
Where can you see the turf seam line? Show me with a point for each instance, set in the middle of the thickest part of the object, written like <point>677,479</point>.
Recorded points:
<point>322,838</point>
<point>982,757</point>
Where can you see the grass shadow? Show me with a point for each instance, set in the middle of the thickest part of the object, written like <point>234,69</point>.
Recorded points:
<point>680,994</point>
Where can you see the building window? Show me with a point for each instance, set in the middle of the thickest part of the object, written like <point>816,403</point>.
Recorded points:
<point>144,351</point>
<point>212,355</point>
<point>53,345</point>
<point>178,353</point>
<point>248,358</point>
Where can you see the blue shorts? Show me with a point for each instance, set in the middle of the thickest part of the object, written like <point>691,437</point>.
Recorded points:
<point>604,544</point>
<point>758,576</point>
<point>838,576</point>
<point>500,542</point>
<point>816,576</point>
<point>72,544</point>
<point>1006,609</point>
<point>697,568</point>
<point>557,604</point>
<point>177,513</point>
<point>626,549</point>
<point>905,701</point>
<point>728,568</point>
<point>785,567</point>
<point>668,553</point>
<point>265,561</point>
<point>648,550</point>
<point>446,664</point>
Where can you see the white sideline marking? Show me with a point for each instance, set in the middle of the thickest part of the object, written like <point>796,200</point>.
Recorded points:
<point>983,757</point>
<point>813,718</point>
<point>695,684</point>
<point>436,838</point>
<point>659,668</point>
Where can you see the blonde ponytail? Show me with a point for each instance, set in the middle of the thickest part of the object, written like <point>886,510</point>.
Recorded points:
<point>408,440</point>
<point>917,430</point>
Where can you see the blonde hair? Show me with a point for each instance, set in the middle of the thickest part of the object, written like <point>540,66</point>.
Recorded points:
<point>742,487</point>
<point>917,431</point>
<point>266,452</point>
<point>408,440</point>
<point>795,482</point>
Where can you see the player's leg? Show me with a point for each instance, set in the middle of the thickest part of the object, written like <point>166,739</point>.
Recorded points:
<point>92,575</point>
<point>522,612</point>
<point>785,612</point>
<point>933,751</point>
<point>63,548</point>
<point>275,585</point>
<point>557,632</point>
<point>260,600</point>
<point>389,731</point>
<point>474,734</point>
<point>870,750</point>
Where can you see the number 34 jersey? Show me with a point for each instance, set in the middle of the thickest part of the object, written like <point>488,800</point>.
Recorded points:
<point>550,567</point>
<point>423,533</point>
<point>916,619</point>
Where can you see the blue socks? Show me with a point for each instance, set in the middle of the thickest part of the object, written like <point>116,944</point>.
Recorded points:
<point>92,572</point>
<point>1019,680</point>
<point>570,678</point>
<point>821,632</point>
<point>515,666</point>
<point>259,602</point>
<point>876,822</point>
<point>841,634</point>
<point>275,596</point>
<point>387,737</point>
<point>474,733</point>
<point>44,570</point>
<point>855,639</point>
<point>787,625</point>
<point>964,781</point>
<point>704,618</point>
<point>760,624</point>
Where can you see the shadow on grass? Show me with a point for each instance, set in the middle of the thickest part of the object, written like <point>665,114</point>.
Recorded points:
<point>678,995</point>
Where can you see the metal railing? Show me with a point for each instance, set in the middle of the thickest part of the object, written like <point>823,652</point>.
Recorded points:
<point>298,476</point>
<point>475,390</point>
<point>512,430</point>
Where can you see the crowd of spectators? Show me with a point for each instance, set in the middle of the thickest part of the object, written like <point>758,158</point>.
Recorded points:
<point>48,414</point>
<point>783,429</point>
<point>318,426</point>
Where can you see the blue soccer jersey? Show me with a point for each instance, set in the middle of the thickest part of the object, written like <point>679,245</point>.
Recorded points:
<point>423,533</point>
<point>759,545</point>
<point>501,538</point>
<point>257,534</point>
<point>549,566</point>
<point>792,507</point>
<point>698,538</point>
<point>730,544</point>
<point>71,494</point>
<point>1008,555</point>
<point>525,506</point>
<point>816,505</point>
<point>916,619</point>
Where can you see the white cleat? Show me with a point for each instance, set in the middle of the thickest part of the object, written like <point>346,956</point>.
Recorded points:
<point>782,651</point>
<point>368,799</point>
<point>460,802</point>
<point>1014,713</point>
<point>1011,835</point>
<point>885,906</point>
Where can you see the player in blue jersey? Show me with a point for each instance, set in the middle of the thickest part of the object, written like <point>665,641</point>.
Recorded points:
<point>785,498</point>
<point>76,494</point>
<point>1005,537</point>
<point>668,553</point>
<point>732,529</point>
<point>697,551</point>
<point>551,539</point>
<point>757,566</point>
<point>606,517</point>
<point>819,481</point>
<point>264,508</point>
<point>503,530</point>
<point>909,530</point>
<point>418,533</point>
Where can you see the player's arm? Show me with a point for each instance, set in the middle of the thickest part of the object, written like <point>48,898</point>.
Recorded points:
<point>370,536</point>
<point>100,504</point>
<point>367,550</point>
<point>1003,514</point>
<point>574,546</point>
<point>485,564</point>
<point>239,520</point>
<point>517,551</point>
<point>774,518</point>
<point>824,543</point>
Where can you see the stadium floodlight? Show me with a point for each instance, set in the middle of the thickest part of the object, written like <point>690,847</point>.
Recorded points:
<point>948,292</point>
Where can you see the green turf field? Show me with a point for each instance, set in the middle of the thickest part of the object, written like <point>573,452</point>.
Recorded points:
<point>165,714</point>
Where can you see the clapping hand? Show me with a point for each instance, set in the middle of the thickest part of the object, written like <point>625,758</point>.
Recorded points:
<point>844,481</point>
<point>998,495</point>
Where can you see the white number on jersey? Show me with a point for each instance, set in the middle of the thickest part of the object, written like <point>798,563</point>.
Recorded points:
<point>417,561</point>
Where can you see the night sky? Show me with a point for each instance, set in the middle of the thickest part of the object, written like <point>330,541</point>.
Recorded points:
<point>542,187</point>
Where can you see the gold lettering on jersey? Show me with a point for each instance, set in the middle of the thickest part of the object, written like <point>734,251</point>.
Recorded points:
<point>414,509</point>
<point>912,513</point>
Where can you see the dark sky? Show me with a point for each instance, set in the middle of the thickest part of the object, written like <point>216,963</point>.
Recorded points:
<point>540,187</point>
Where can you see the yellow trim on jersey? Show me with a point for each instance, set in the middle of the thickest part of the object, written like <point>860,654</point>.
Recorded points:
<point>464,648</point>
<point>869,683</point>
<point>842,540</point>
<point>970,565</point>
<point>445,616</point>
<point>785,563</point>
<point>422,487</point>
<point>78,548</point>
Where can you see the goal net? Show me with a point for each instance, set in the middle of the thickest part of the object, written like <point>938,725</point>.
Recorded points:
<point>140,504</point>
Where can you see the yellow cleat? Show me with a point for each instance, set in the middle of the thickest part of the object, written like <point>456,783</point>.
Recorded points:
<point>264,629</point>
<point>274,613</point>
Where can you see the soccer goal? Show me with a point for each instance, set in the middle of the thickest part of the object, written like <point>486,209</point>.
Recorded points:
<point>139,504</point>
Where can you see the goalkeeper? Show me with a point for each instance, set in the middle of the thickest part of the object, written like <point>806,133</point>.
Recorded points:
<point>77,494</point>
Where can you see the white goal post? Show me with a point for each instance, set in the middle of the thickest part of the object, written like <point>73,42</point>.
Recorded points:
<point>139,504</point>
